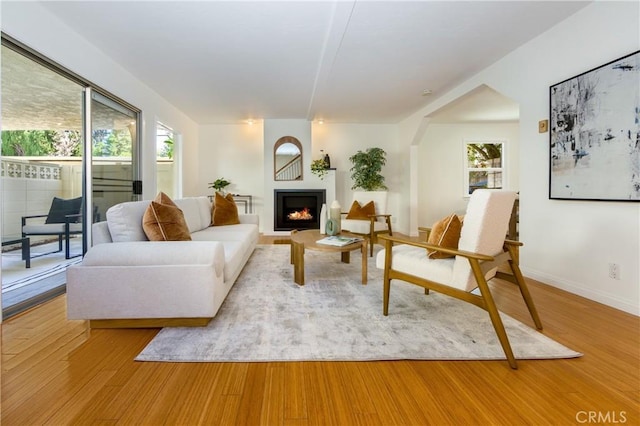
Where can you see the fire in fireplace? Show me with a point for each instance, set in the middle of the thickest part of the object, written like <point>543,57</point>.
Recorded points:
<point>304,214</point>
<point>297,209</point>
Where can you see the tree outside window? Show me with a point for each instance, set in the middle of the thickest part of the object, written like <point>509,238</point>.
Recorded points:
<point>484,165</point>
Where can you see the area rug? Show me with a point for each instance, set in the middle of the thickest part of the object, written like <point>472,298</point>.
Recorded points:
<point>267,317</point>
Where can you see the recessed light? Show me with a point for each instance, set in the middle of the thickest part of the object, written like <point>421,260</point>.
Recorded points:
<point>321,121</point>
<point>250,122</point>
<point>427,92</point>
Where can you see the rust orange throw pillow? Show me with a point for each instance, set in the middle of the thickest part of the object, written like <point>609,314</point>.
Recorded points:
<point>361,212</point>
<point>445,233</point>
<point>164,221</point>
<point>225,211</point>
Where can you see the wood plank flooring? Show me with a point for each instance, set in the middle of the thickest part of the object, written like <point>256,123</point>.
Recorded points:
<point>57,372</point>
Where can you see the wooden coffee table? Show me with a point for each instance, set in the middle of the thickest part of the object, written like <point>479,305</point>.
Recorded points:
<point>306,240</point>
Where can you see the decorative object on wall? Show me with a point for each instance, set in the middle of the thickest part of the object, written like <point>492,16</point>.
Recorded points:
<point>543,126</point>
<point>366,169</point>
<point>219,184</point>
<point>287,159</point>
<point>595,133</point>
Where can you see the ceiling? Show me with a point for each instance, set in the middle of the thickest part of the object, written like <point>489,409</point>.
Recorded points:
<point>344,61</point>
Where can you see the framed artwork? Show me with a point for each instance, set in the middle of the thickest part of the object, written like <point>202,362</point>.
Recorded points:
<point>595,133</point>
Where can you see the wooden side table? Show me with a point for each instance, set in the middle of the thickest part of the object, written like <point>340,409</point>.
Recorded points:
<point>307,240</point>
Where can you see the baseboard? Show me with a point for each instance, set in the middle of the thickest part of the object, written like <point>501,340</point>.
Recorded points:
<point>149,322</point>
<point>577,288</point>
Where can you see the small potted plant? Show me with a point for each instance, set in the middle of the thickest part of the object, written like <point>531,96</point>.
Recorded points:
<point>366,169</point>
<point>319,168</point>
<point>219,185</point>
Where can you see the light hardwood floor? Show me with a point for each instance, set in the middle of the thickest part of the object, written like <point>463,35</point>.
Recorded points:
<point>58,372</point>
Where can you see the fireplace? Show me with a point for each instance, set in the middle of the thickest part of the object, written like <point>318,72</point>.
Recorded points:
<point>297,209</point>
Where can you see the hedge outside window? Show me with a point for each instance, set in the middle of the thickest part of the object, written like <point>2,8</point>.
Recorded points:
<point>484,165</point>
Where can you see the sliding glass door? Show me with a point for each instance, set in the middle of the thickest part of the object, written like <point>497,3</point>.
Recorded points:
<point>42,147</point>
<point>114,171</point>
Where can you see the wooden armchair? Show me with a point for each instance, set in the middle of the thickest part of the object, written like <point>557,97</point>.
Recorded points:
<point>482,248</point>
<point>62,220</point>
<point>373,224</point>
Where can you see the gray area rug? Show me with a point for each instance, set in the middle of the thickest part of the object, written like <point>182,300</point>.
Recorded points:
<point>267,317</point>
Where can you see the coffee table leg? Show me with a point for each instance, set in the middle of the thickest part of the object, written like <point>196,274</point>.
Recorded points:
<point>345,256</point>
<point>364,261</point>
<point>298,262</point>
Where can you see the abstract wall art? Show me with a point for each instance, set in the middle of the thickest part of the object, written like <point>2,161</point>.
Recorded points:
<point>595,133</point>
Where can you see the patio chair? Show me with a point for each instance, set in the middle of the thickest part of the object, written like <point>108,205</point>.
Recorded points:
<point>457,268</point>
<point>63,220</point>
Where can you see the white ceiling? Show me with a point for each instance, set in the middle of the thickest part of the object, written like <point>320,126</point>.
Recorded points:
<point>343,61</point>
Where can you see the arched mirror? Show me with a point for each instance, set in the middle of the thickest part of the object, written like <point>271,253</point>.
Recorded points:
<point>287,159</point>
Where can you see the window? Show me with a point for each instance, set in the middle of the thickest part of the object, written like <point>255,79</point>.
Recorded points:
<point>484,165</point>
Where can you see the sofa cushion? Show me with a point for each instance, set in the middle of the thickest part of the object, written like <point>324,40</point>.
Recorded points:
<point>125,221</point>
<point>164,221</point>
<point>359,212</point>
<point>445,233</point>
<point>191,208</point>
<point>205,207</point>
<point>225,211</point>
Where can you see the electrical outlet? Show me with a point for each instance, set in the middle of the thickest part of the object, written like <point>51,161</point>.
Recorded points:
<point>614,271</point>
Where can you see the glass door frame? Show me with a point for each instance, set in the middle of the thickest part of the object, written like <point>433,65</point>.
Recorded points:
<point>92,94</point>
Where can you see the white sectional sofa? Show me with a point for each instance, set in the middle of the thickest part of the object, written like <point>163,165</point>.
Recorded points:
<point>125,280</point>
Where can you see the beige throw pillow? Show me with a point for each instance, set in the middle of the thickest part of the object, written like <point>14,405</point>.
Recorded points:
<point>359,212</point>
<point>164,221</point>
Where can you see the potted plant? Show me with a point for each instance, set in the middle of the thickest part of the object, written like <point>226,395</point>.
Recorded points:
<point>219,184</point>
<point>366,169</point>
<point>319,168</point>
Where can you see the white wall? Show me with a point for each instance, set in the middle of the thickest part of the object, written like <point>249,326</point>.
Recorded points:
<point>441,157</point>
<point>568,244</point>
<point>234,152</point>
<point>33,25</point>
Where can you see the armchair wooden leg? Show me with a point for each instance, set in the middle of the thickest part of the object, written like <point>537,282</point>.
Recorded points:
<point>371,241</point>
<point>385,296</point>
<point>490,307</point>
<point>388,245</point>
<point>524,290</point>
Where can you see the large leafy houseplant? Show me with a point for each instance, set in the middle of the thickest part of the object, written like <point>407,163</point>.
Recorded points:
<point>366,169</point>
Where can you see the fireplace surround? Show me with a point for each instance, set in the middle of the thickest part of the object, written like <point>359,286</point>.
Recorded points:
<point>297,208</point>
